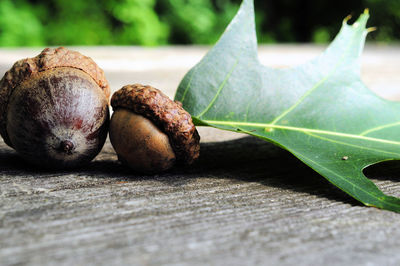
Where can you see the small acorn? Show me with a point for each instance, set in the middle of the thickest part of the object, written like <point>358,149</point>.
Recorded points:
<point>150,132</point>
<point>54,108</point>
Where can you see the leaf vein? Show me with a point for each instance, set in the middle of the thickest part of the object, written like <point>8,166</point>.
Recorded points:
<point>219,89</point>
<point>316,86</point>
<point>380,199</point>
<point>366,132</point>
<point>351,145</point>
<point>299,129</point>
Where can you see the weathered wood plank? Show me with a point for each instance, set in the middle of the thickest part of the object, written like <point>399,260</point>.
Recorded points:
<point>244,202</point>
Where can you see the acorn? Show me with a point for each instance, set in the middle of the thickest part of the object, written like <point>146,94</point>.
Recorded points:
<point>151,133</point>
<point>54,108</point>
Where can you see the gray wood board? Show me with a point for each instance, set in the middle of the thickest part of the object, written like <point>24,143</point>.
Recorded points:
<point>244,202</point>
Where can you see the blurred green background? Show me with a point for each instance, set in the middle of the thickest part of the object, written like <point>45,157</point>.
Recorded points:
<point>152,22</point>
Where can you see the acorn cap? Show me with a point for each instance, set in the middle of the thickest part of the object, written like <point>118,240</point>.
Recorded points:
<point>166,114</point>
<point>47,59</point>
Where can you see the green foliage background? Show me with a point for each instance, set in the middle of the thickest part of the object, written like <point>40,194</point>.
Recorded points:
<point>151,22</point>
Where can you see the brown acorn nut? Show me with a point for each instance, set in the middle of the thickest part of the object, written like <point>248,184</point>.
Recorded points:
<point>150,132</point>
<point>54,108</point>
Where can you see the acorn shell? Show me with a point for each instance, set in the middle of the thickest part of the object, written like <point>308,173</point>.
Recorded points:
<point>139,143</point>
<point>54,108</point>
<point>49,58</point>
<point>166,114</point>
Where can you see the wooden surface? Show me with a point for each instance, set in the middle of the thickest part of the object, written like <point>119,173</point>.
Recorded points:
<point>246,202</point>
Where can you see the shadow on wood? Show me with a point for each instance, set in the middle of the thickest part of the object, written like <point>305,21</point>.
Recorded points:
<point>247,159</point>
<point>254,160</point>
<point>105,165</point>
<point>389,170</point>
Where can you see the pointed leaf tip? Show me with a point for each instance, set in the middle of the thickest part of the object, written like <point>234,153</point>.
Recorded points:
<point>362,20</point>
<point>346,19</point>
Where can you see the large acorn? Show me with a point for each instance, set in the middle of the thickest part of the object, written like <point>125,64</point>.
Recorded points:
<point>150,132</point>
<point>54,108</point>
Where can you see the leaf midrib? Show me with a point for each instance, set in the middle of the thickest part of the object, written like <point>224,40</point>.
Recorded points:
<point>351,145</point>
<point>299,129</point>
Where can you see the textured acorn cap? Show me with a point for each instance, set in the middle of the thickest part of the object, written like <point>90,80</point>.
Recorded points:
<point>166,114</point>
<point>47,59</point>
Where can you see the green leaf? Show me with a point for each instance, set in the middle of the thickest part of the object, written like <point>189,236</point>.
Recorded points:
<point>320,111</point>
